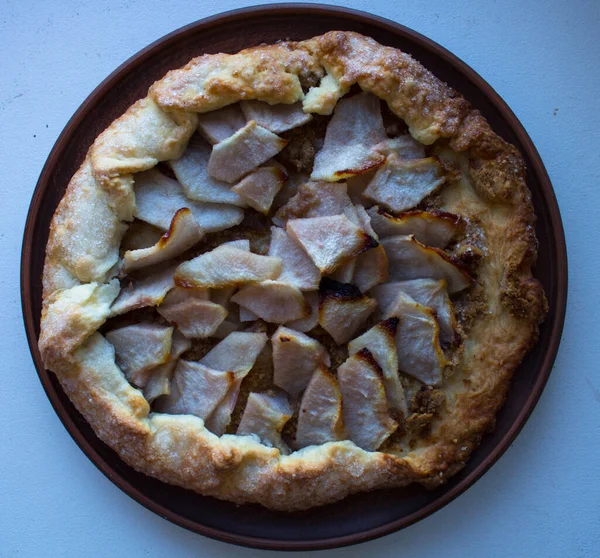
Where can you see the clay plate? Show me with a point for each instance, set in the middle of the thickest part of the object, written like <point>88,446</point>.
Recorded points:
<point>363,516</point>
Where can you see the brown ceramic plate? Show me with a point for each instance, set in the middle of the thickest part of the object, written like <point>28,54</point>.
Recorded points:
<point>363,516</point>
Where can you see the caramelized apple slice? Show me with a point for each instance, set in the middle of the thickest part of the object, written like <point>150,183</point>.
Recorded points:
<point>273,301</point>
<point>158,198</point>
<point>311,321</point>
<point>183,233</point>
<point>409,259</point>
<point>380,340</point>
<point>320,415</point>
<point>295,358</point>
<point>371,267</point>
<point>343,309</point>
<point>427,292</point>
<point>227,266</point>
<point>140,347</point>
<point>365,409</point>
<point>297,267</point>
<point>195,390</point>
<point>352,134</point>
<point>191,172</point>
<point>434,229</point>
<point>242,152</point>
<point>265,416</point>
<point>275,118</point>
<point>330,241</point>
<point>417,340</point>
<point>159,378</point>
<point>260,187</point>
<point>220,124</point>
<point>400,184</point>
<point>149,291</point>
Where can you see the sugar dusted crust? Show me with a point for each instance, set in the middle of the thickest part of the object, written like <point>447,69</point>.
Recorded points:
<point>490,191</point>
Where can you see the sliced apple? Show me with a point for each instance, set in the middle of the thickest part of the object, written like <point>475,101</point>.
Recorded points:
<point>159,378</point>
<point>320,414</point>
<point>297,267</point>
<point>417,340</point>
<point>312,320</point>
<point>236,353</point>
<point>345,272</point>
<point>195,390</point>
<point>365,410</point>
<point>295,358</point>
<point>352,134</point>
<point>409,259</point>
<point>149,291</point>
<point>275,118</point>
<point>434,229</point>
<point>158,198</point>
<point>427,292</point>
<point>273,301</point>
<point>183,233</point>
<point>191,172</point>
<point>318,199</point>
<point>380,340</point>
<point>343,309</point>
<point>260,187</point>
<point>195,318</point>
<point>237,155</point>
<point>179,294</point>
<point>265,416</point>
<point>287,192</point>
<point>140,347</point>
<point>330,241</point>
<point>371,269</point>
<point>220,124</point>
<point>227,266</point>
<point>400,184</point>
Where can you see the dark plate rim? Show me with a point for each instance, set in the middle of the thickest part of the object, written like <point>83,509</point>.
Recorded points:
<point>536,167</point>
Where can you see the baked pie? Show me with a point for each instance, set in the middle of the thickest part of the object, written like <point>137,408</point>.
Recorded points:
<point>292,274</point>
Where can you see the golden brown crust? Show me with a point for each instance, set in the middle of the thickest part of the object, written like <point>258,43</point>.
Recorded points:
<point>491,192</point>
<point>274,74</point>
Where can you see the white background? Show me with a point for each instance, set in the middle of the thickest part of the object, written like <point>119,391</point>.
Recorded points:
<point>543,496</point>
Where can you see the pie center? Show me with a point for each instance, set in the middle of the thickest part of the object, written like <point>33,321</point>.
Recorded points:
<point>292,277</point>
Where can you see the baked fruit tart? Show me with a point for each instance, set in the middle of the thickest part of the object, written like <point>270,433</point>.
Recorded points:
<point>292,274</point>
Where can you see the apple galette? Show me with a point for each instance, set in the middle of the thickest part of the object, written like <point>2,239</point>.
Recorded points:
<point>293,273</point>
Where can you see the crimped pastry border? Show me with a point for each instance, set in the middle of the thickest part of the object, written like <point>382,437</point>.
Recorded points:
<point>178,449</point>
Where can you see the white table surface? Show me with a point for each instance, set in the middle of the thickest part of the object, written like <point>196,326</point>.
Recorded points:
<point>541,499</point>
